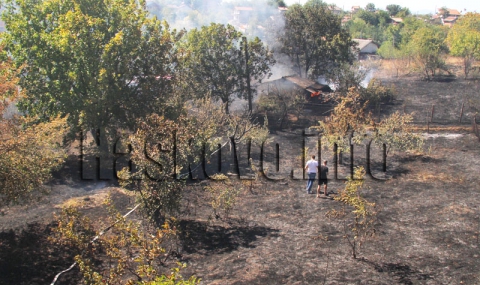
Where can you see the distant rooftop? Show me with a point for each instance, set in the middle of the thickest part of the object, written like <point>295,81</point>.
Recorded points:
<point>451,12</point>
<point>363,43</point>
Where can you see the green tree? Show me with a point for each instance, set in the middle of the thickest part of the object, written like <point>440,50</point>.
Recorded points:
<point>216,63</point>
<point>370,7</point>
<point>428,47</point>
<point>464,40</point>
<point>405,12</point>
<point>314,39</point>
<point>394,9</point>
<point>397,56</point>
<point>103,62</point>
<point>277,3</point>
<point>368,16</point>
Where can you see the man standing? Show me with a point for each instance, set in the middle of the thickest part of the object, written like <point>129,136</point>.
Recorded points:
<point>311,168</point>
<point>323,178</point>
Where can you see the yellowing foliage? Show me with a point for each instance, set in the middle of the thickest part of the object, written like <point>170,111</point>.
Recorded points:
<point>28,151</point>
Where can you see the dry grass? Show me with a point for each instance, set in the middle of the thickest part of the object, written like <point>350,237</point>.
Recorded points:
<point>394,67</point>
<point>424,175</point>
<point>458,209</point>
<point>92,201</point>
<point>449,129</point>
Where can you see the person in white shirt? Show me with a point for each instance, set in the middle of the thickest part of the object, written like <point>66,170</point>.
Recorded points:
<point>311,167</point>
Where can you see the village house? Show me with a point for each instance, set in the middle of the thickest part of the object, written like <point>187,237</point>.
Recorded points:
<point>355,9</point>
<point>449,21</point>
<point>396,21</point>
<point>366,48</point>
<point>447,16</point>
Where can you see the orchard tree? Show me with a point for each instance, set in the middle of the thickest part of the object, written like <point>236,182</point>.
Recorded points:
<point>314,39</point>
<point>428,47</point>
<point>219,63</point>
<point>464,40</point>
<point>105,63</point>
<point>350,122</point>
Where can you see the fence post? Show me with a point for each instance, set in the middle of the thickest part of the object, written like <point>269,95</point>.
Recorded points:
<point>431,113</point>
<point>461,112</point>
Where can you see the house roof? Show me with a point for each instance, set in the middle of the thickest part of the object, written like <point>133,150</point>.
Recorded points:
<point>450,19</point>
<point>306,84</point>
<point>451,12</point>
<point>397,20</point>
<point>363,43</point>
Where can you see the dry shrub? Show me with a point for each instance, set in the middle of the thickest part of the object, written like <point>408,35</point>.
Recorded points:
<point>123,252</point>
<point>223,194</point>
<point>357,214</point>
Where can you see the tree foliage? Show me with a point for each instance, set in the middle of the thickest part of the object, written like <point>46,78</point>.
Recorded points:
<point>358,215</point>
<point>133,250</point>
<point>28,150</point>
<point>350,122</point>
<point>428,47</point>
<point>166,152</point>
<point>349,117</point>
<point>216,66</point>
<point>105,63</point>
<point>393,9</point>
<point>314,39</point>
<point>464,40</point>
<point>397,10</point>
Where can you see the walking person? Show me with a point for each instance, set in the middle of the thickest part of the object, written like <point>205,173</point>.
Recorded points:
<point>323,178</point>
<point>311,167</point>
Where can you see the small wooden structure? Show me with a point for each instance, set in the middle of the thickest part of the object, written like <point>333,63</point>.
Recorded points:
<point>314,92</point>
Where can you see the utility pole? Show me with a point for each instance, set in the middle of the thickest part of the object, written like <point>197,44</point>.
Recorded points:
<point>247,71</point>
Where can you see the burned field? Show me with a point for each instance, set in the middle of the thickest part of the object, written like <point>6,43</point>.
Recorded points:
<point>427,225</point>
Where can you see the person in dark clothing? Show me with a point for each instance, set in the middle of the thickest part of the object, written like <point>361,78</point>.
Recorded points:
<point>323,178</point>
